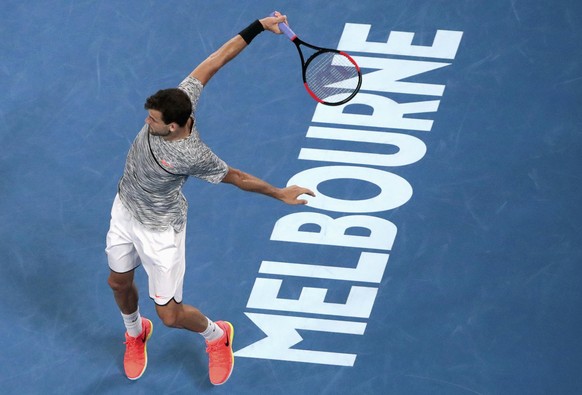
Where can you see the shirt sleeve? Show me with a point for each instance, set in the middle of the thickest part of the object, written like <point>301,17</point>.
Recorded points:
<point>207,166</point>
<point>193,89</point>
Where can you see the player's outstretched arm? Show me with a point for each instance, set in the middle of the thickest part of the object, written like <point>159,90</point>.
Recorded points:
<point>229,50</point>
<point>250,183</point>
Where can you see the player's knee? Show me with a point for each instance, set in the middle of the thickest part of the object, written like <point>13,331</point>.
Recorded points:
<point>169,317</point>
<point>119,283</point>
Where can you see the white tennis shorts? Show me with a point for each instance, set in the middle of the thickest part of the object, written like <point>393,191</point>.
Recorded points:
<point>162,254</point>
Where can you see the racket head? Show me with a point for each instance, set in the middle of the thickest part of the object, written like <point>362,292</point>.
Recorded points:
<point>332,77</point>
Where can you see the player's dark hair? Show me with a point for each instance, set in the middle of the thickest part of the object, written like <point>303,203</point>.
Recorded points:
<point>173,103</point>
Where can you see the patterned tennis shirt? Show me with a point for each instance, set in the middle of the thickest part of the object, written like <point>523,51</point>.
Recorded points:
<point>154,195</point>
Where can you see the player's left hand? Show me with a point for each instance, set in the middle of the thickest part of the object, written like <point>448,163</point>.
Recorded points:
<point>290,194</point>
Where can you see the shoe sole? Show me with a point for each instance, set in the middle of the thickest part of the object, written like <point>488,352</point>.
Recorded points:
<point>145,348</point>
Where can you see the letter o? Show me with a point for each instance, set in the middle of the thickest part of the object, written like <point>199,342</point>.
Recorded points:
<point>394,190</point>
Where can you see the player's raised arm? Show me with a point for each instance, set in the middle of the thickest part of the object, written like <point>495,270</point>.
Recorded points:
<point>229,50</point>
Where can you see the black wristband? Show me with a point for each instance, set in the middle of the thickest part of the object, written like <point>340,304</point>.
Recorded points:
<point>251,31</point>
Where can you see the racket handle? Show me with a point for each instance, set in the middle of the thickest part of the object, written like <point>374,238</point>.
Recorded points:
<point>286,29</point>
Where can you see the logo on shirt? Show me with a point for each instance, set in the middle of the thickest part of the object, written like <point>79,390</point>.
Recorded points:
<point>167,164</point>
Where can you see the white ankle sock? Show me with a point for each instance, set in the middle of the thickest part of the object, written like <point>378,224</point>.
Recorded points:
<point>213,332</point>
<point>132,323</point>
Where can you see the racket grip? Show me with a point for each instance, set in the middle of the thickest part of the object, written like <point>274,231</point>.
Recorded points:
<point>286,29</point>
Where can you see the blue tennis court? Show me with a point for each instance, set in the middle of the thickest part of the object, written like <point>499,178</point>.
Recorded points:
<point>442,254</point>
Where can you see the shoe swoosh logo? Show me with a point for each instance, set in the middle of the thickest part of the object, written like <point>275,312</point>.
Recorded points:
<point>227,340</point>
<point>145,335</point>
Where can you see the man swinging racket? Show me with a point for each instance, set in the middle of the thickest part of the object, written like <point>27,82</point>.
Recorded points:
<point>148,217</point>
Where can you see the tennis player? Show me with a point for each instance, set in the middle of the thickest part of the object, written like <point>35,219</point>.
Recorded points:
<point>148,217</point>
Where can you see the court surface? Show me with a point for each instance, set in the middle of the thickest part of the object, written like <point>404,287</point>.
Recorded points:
<point>442,255</point>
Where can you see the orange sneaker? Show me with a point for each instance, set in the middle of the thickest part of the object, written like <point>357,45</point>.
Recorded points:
<point>220,355</point>
<point>135,359</point>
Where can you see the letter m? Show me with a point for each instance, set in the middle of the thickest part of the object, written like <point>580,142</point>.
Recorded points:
<point>282,334</point>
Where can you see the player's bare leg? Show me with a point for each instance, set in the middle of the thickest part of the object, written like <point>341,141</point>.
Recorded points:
<point>124,291</point>
<point>183,316</point>
<point>139,329</point>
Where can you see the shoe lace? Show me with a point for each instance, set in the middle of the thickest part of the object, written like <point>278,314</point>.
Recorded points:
<point>217,354</point>
<point>132,346</point>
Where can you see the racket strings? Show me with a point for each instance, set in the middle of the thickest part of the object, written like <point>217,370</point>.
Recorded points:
<point>331,76</point>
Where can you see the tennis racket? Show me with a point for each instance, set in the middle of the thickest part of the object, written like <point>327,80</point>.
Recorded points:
<point>330,76</point>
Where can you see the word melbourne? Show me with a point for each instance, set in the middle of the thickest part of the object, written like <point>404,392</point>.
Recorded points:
<point>334,222</point>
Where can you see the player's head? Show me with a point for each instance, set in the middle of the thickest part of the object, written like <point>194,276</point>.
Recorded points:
<point>173,103</point>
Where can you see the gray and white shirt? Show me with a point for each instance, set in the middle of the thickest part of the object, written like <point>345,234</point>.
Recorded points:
<point>154,195</point>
